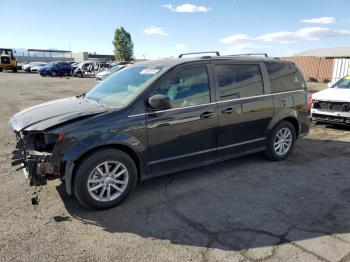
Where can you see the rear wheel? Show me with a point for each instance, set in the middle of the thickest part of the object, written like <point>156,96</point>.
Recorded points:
<point>105,178</point>
<point>1,69</point>
<point>14,69</point>
<point>281,141</point>
<point>79,74</point>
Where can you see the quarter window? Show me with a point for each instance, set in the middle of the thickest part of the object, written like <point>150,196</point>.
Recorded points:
<point>239,81</point>
<point>189,87</point>
<point>284,77</point>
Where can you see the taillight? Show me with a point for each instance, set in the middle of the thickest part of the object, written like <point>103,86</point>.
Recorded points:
<point>309,101</point>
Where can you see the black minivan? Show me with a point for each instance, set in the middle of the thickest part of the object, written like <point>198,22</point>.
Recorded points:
<point>160,117</point>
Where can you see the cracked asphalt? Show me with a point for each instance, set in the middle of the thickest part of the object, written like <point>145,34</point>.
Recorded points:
<point>246,209</point>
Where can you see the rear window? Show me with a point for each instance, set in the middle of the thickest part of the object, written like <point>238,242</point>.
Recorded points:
<point>284,77</point>
<point>239,81</point>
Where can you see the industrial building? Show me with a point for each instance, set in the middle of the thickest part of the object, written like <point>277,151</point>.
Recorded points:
<point>323,64</point>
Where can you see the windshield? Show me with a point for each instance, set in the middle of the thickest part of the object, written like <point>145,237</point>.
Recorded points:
<point>343,83</point>
<point>122,87</point>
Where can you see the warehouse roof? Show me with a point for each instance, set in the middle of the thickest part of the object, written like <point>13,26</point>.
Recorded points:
<point>327,52</point>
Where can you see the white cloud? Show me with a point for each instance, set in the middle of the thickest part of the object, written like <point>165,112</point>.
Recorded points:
<point>280,37</point>
<point>320,20</point>
<point>246,48</point>
<point>187,8</point>
<point>180,47</point>
<point>153,30</point>
<point>316,33</point>
<point>306,33</point>
<point>238,38</point>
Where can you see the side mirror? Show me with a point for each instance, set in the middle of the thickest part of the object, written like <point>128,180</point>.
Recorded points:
<point>159,102</point>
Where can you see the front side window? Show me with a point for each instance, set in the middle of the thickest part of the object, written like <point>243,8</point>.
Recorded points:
<point>122,87</point>
<point>239,81</point>
<point>188,87</point>
<point>284,77</point>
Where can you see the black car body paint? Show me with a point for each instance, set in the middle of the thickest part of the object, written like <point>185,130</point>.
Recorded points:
<point>159,142</point>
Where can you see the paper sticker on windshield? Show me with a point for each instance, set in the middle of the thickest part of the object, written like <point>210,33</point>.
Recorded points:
<point>149,71</point>
<point>347,78</point>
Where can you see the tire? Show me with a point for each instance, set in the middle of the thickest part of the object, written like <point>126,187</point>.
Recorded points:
<point>276,153</point>
<point>87,171</point>
<point>14,69</point>
<point>1,69</point>
<point>53,73</point>
<point>79,74</point>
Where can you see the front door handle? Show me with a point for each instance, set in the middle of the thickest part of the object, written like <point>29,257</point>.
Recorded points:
<point>229,110</point>
<point>207,114</point>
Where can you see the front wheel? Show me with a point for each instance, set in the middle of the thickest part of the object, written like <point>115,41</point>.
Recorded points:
<point>105,178</point>
<point>280,141</point>
<point>53,73</point>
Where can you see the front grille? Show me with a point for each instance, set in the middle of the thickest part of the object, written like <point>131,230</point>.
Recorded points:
<point>333,106</point>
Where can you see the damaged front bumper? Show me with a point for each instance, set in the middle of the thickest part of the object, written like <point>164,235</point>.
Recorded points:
<point>37,165</point>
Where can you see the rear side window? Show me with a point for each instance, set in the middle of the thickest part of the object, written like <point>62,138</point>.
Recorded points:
<point>239,81</point>
<point>188,87</point>
<point>284,77</point>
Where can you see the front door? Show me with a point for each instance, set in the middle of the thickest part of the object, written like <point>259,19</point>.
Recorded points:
<point>245,109</point>
<point>184,135</point>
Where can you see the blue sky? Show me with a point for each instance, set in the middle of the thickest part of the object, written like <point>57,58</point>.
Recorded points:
<point>168,27</point>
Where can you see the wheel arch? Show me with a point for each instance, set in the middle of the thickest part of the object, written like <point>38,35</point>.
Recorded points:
<point>294,122</point>
<point>292,118</point>
<point>72,166</point>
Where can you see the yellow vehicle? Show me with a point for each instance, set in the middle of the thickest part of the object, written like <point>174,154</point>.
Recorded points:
<point>7,60</point>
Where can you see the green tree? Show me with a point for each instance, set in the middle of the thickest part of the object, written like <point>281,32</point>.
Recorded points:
<point>123,46</point>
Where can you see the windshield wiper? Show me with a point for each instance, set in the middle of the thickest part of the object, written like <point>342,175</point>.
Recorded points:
<point>81,96</point>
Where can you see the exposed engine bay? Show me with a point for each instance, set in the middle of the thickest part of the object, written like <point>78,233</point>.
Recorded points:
<point>33,154</point>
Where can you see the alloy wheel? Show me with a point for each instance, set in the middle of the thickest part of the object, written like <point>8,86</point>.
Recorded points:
<point>108,181</point>
<point>283,141</point>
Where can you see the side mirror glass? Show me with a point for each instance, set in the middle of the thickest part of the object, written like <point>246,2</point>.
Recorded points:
<point>159,102</point>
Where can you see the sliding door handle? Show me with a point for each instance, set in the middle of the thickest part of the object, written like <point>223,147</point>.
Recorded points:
<point>207,114</point>
<point>229,110</point>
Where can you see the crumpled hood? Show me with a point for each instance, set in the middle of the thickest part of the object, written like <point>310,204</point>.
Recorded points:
<point>333,94</point>
<point>55,112</point>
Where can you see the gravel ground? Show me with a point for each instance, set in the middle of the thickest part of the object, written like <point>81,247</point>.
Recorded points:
<point>246,209</point>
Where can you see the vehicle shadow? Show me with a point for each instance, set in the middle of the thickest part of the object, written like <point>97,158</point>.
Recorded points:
<point>239,204</point>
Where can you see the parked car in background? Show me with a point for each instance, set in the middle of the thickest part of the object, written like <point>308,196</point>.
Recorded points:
<point>332,105</point>
<point>21,64</point>
<point>35,69</point>
<point>106,73</point>
<point>160,117</point>
<point>56,68</point>
<point>87,69</point>
<point>28,67</point>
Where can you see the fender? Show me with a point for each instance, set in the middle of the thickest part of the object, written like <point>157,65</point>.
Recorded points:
<point>283,113</point>
<point>77,150</point>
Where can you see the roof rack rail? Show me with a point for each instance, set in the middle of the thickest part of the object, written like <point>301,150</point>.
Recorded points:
<point>197,53</point>
<point>251,54</point>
